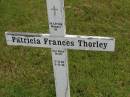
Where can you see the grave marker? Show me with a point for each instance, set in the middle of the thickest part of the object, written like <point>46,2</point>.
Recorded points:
<point>59,42</point>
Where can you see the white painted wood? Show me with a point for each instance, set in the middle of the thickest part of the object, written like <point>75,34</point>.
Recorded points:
<point>60,67</point>
<point>57,27</point>
<point>56,17</point>
<point>93,43</point>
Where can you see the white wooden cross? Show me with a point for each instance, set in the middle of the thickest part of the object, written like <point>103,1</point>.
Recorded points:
<point>59,42</point>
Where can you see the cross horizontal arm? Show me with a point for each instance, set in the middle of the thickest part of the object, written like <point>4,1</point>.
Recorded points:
<point>94,43</point>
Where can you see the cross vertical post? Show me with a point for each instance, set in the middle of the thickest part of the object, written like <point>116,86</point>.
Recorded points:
<point>59,56</point>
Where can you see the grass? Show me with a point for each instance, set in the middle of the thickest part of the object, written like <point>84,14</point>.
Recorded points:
<point>27,72</point>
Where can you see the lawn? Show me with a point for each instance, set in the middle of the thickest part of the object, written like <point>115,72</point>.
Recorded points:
<point>28,72</point>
